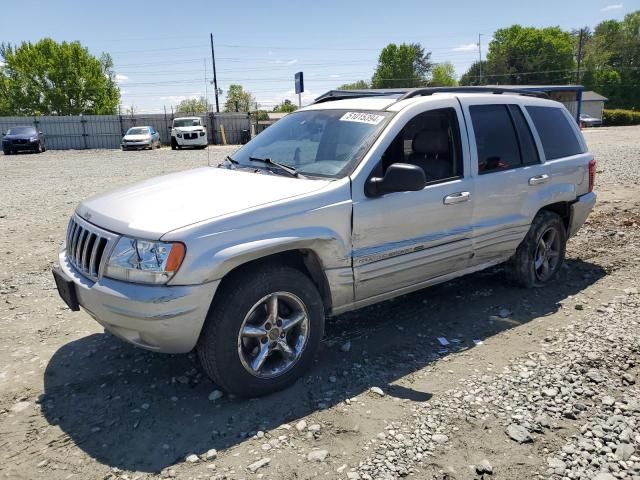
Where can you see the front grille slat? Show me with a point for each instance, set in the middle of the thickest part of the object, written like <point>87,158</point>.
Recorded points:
<point>86,245</point>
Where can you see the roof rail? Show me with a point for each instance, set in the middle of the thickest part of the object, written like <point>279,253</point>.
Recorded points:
<point>332,95</point>
<point>419,92</point>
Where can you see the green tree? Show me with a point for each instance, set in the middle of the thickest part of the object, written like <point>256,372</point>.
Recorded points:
<point>473,77</point>
<point>238,99</point>
<point>404,65</point>
<point>357,85</point>
<point>443,75</point>
<point>192,105</point>
<point>287,106</point>
<point>612,61</point>
<point>51,78</point>
<point>527,55</point>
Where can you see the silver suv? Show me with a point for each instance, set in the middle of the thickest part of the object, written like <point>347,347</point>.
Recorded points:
<point>353,200</point>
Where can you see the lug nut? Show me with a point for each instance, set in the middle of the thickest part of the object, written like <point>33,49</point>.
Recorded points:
<point>267,326</point>
<point>279,323</point>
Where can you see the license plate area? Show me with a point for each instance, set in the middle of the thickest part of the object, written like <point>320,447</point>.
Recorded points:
<point>66,290</point>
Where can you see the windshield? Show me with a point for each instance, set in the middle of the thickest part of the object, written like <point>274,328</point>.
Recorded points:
<point>324,143</point>
<point>22,131</point>
<point>187,122</point>
<point>138,131</point>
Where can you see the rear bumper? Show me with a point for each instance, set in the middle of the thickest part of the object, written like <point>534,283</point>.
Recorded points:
<point>160,318</point>
<point>580,210</point>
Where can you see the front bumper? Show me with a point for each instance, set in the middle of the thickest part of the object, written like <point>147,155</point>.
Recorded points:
<point>160,318</point>
<point>580,210</point>
<point>135,145</point>
<point>192,142</point>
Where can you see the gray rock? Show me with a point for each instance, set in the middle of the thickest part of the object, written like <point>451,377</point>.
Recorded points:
<point>192,458</point>
<point>608,400</point>
<point>519,433</point>
<point>484,467</point>
<point>215,395</point>
<point>211,454</point>
<point>318,455</point>
<point>550,392</point>
<point>440,439</point>
<point>629,378</point>
<point>556,464</point>
<point>604,476</point>
<point>624,451</point>
<point>301,425</point>
<point>259,464</point>
<point>377,390</point>
<point>595,376</point>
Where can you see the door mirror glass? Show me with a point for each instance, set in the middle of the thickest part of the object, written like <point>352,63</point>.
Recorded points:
<point>399,177</point>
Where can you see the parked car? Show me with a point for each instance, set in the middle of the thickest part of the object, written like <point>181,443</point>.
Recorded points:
<point>339,205</point>
<point>138,138</point>
<point>589,121</point>
<point>22,139</point>
<point>188,132</point>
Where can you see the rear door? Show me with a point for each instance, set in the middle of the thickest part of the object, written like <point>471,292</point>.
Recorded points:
<point>507,169</point>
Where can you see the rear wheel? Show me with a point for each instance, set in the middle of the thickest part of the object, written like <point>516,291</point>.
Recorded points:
<point>262,331</point>
<point>6,151</point>
<point>174,144</point>
<point>539,257</point>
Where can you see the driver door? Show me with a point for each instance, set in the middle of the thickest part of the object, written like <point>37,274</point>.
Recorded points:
<point>405,240</point>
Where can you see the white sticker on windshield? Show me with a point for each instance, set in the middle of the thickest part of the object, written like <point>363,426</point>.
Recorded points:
<point>362,117</point>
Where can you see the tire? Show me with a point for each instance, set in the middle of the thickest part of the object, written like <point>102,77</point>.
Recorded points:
<point>39,148</point>
<point>6,151</point>
<point>174,144</point>
<point>227,357</point>
<point>44,149</point>
<point>539,257</point>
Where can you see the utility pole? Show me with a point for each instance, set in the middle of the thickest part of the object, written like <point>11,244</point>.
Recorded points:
<point>215,79</point>
<point>580,40</point>
<point>206,88</point>
<point>480,57</point>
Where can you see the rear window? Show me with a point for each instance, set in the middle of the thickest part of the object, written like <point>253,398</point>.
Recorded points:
<point>496,138</point>
<point>556,132</point>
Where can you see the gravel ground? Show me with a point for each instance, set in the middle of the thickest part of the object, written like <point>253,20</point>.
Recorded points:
<point>534,383</point>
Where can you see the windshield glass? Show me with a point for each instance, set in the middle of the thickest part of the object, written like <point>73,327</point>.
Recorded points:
<point>138,131</point>
<point>324,143</point>
<point>187,122</point>
<point>22,131</point>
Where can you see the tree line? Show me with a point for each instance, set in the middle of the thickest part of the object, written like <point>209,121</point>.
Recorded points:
<point>51,78</point>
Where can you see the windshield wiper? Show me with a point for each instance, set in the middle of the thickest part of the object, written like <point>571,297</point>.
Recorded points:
<point>231,160</point>
<point>285,168</point>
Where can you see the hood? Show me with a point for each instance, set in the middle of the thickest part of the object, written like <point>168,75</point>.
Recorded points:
<point>193,128</point>
<point>19,137</point>
<point>137,138</point>
<point>156,206</point>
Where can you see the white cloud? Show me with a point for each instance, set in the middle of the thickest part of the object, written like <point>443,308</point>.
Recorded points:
<point>334,75</point>
<point>121,78</point>
<point>467,47</point>
<point>615,6</point>
<point>2,64</point>
<point>293,61</point>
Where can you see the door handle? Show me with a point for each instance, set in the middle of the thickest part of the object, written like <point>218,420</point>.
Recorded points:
<point>457,198</point>
<point>539,179</point>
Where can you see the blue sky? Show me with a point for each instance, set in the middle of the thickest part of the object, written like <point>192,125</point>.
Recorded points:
<point>161,48</point>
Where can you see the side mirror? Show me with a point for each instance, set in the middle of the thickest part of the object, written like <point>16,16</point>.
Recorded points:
<point>399,177</point>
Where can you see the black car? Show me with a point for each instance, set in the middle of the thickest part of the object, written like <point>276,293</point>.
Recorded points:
<point>19,139</point>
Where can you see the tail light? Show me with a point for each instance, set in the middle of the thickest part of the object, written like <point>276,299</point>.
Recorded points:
<point>592,173</point>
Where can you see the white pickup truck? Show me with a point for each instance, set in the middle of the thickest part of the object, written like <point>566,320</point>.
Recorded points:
<point>356,199</point>
<point>188,132</point>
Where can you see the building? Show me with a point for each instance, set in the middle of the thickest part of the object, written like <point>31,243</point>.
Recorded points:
<point>593,104</point>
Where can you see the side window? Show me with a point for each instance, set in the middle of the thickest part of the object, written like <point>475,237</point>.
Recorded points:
<point>430,140</point>
<point>496,139</point>
<point>528,149</point>
<point>556,133</point>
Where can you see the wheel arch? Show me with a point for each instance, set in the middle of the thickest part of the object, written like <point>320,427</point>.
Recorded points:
<point>562,209</point>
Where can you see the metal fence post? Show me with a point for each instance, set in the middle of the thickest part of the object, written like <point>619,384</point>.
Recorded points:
<point>83,122</point>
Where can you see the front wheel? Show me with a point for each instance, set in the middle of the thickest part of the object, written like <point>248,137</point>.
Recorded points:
<point>174,144</point>
<point>539,257</point>
<point>262,331</point>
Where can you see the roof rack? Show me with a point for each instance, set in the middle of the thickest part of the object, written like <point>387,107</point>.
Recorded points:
<point>405,93</point>
<point>419,92</point>
<point>332,95</point>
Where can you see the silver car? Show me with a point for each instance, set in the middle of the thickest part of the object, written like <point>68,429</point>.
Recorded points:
<point>138,138</point>
<point>339,205</point>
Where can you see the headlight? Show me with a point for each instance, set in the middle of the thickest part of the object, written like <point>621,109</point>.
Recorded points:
<point>202,134</point>
<point>144,261</point>
<point>179,135</point>
<point>34,139</point>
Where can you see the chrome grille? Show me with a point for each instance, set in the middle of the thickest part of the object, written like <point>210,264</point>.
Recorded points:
<point>86,246</point>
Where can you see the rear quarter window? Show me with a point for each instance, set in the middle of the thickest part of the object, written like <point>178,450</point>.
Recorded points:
<point>556,132</point>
